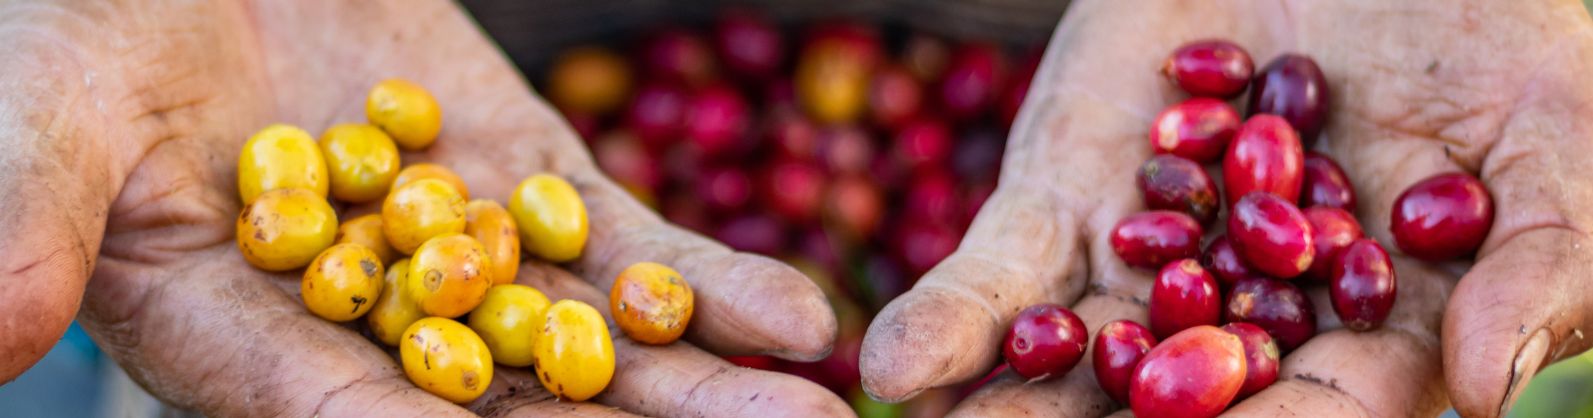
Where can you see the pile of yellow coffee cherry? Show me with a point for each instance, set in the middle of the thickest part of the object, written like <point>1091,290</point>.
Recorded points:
<point>433,256</point>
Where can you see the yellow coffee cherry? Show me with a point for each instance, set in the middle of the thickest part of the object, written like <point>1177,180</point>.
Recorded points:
<point>491,224</point>
<point>574,353</point>
<point>406,111</point>
<point>280,157</point>
<point>361,159</point>
<point>285,228</point>
<point>651,303</point>
<point>394,310</point>
<point>367,231</point>
<point>551,218</point>
<point>446,359</point>
<point>448,275</point>
<point>432,171</point>
<point>418,211</point>
<point>342,283</point>
<point>508,320</point>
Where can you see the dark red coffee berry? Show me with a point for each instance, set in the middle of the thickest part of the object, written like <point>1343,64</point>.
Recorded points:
<point>1364,285</point>
<point>1332,229</point>
<point>1198,129</point>
<point>1265,156</point>
<point>1272,235</point>
<point>1170,182</point>
<point>1323,183</point>
<point>1292,86</point>
<point>1210,68</point>
<point>1225,263</point>
<point>1153,239</point>
<point>1443,217</point>
<point>1045,340</point>
<point>1261,357</point>
<point>1276,306</point>
<point>1119,346</point>
<point>1184,296</point>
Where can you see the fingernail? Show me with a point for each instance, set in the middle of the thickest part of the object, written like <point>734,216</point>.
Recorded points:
<point>1527,363</point>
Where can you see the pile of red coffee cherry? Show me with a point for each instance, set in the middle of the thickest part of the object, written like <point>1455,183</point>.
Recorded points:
<point>1290,223</point>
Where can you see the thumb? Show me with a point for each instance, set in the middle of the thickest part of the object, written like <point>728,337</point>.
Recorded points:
<point>54,193</point>
<point>1526,303</point>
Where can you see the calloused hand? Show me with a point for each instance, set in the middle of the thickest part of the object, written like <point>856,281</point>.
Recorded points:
<point>123,122</point>
<point>1497,89</point>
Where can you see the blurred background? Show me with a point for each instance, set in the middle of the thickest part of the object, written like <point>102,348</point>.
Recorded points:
<point>853,139</point>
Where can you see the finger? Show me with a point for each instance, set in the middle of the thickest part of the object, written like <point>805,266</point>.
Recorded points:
<point>1075,394</point>
<point>1070,162</point>
<point>57,179</point>
<point>202,334</point>
<point>496,132</point>
<point>1390,371</point>
<point>517,393</point>
<point>1525,304</point>
<point>680,380</point>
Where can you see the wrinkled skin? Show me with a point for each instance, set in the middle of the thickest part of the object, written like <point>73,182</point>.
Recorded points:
<point>1495,88</point>
<point>122,122</point>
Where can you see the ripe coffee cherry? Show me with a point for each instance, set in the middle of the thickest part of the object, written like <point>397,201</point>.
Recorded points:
<point>1194,374</point>
<point>1332,229</point>
<point>1323,183</point>
<point>1119,346</point>
<point>1443,217</point>
<point>1261,357</point>
<point>1152,239</point>
<point>1198,129</point>
<point>1363,286</point>
<point>1224,262</point>
<point>1276,306</point>
<point>1210,68</point>
<point>1184,296</point>
<point>1272,235</point>
<point>1265,156</point>
<point>1170,182</point>
<point>1292,86</point>
<point>1045,340</point>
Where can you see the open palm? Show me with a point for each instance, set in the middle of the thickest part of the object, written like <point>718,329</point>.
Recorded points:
<point>1419,87</point>
<point>132,115</point>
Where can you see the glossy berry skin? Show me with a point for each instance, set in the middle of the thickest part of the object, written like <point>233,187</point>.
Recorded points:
<point>1045,340</point>
<point>1184,296</point>
<point>1364,285</point>
<point>749,44</point>
<point>1198,129</point>
<point>1272,235</point>
<point>1293,87</point>
<point>1266,156</point>
<point>1443,217</point>
<point>1194,374</point>
<point>1261,357</point>
<point>1210,68</point>
<point>1118,348</point>
<point>1152,239</point>
<point>715,120</point>
<point>1224,263</point>
<point>1276,306</point>
<point>1323,183</point>
<point>1170,182</point>
<point>1332,230</point>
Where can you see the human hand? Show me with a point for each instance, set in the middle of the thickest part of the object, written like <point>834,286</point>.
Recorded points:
<point>124,120</point>
<point>1418,88</point>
